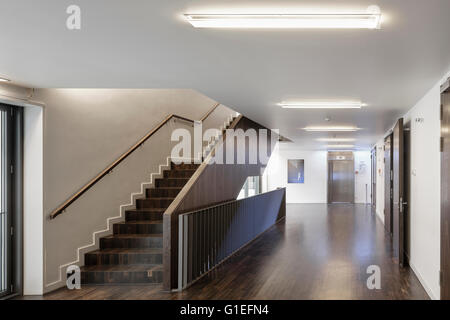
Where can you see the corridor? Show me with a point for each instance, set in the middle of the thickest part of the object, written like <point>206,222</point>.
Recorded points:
<point>320,252</point>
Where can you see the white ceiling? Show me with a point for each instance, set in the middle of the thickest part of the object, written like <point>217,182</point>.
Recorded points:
<point>146,44</point>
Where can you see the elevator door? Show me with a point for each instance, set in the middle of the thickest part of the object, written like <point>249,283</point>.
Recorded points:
<point>342,181</point>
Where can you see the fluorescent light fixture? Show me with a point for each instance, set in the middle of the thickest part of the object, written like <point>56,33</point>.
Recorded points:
<point>336,140</point>
<point>371,19</point>
<point>4,79</point>
<point>331,129</point>
<point>322,105</point>
<point>340,146</point>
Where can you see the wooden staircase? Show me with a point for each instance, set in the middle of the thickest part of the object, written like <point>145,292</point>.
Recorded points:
<point>133,253</point>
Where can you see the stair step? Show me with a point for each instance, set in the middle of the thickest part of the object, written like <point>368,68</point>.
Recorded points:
<point>138,227</point>
<point>132,241</point>
<point>153,203</point>
<point>124,256</point>
<point>121,274</point>
<point>170,182</point>
<point>184,166</point>
<point>144,214</point>
<point>181,173</point>
<point>163,192</point>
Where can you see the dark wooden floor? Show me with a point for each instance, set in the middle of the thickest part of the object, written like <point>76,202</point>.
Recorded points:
<point>319,252</point>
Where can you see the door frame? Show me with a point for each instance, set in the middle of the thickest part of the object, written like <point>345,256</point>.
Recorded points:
<point>399,202</point>
<point>444,273</point>
<point>388,181</point>
<point>373,171</point>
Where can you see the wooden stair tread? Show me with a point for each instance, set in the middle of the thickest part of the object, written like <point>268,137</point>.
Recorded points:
<point>122,268</point>
<point>133,253</point>
<point>159,198</point>
<point>141,222</point>
<point>171,188</point>
<point>128,251</point>
<point>134,235</point>
<point>145,210</point>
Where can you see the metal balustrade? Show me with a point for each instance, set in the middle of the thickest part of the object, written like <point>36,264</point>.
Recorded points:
<point>209,236</point>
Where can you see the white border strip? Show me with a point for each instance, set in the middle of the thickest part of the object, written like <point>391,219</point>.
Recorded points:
<point>97,234</point>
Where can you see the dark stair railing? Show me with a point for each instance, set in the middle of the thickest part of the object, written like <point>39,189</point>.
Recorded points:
<point>212,183</point>
<point>209,236</point>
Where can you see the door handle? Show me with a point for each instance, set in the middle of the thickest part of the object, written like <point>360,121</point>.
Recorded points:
<point>401,204</point>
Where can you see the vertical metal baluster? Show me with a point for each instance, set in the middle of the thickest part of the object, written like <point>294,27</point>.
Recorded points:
<point>222,232</point>
<point>214,234</point>
<point>201,229</point>
<point>196,247</point>
<point>216,237</point>
<point>237,225</point>
<point>208,240</point>
<point>185,249</point>
<point>241,210</point>
<point>211,237</point>
<point>205,241</point>
<point>230,240</point>
<point>180,252</point>
<point>233,228</point>
<point>202,240</point>
<point>227,230</point>
<point>244,226</point>
<point>190,244</point>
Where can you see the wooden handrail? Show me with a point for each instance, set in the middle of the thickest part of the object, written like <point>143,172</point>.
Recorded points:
<point>209,112</point>
<point>109,169</point>
<point>173,207</point>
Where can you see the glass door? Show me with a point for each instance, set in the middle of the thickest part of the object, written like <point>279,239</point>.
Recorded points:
<point>6,123</point>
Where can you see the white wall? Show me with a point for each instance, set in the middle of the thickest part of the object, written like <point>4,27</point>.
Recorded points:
<point>424,202</point>
<point>314,190</point>
<point>33,240</point>
<point>424,210</point>
<point>362,178</point>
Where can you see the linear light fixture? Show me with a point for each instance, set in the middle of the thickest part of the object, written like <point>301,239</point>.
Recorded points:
<point>4,79</point>
<point>322,105</point>
<point>336,140</point>
<point>356,20</point>
<point>340,146</point>
<point>331,129</point>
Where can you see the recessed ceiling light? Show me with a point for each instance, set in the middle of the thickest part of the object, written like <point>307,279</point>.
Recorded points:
<point>331,129</point>
<point>340,146</point>
<point>322,105</point>
<point>4,79</point>
<point>371,19</point>
<point>336,140</point>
